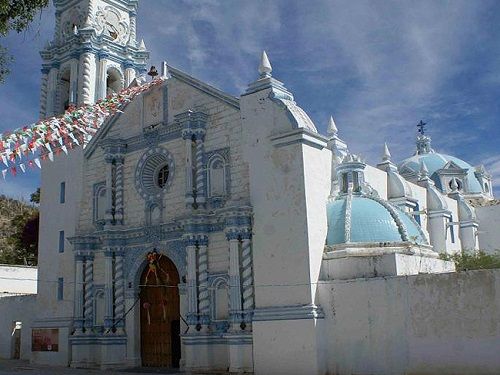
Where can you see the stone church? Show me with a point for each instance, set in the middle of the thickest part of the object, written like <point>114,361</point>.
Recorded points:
<point>210,232</point>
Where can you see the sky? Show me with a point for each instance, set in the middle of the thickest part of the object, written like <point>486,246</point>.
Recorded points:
<point>378,67</point>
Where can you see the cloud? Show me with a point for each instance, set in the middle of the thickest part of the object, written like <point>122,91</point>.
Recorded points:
<point>378,67</point>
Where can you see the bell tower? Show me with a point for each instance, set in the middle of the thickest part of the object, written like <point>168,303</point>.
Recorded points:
<point>94,52</point>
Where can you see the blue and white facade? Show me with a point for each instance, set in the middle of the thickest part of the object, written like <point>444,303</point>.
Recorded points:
<point>252,205</point>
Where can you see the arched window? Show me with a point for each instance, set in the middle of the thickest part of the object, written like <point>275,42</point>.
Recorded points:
<point>113,81</point>
<point>63,94</point>
<point>220,299</point>
<point>486,188</point>
<point>154,214</point>
<point>216,176</point>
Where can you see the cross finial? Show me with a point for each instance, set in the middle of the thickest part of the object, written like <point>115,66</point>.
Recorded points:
<point>421,127</point>
<point>265,68</point>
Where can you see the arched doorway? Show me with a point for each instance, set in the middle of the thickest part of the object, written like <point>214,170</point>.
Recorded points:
<point>160,313</point>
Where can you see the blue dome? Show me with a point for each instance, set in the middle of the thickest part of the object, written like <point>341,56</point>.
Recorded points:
<point>436,161</point>
<point>369,219</point>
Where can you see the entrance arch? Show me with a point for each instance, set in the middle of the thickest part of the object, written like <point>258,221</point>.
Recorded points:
<point>160,313</point>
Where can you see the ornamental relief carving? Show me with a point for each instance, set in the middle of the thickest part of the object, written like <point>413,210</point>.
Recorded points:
<point>110,22</point>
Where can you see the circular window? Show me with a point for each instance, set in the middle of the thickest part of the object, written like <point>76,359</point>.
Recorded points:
<point>154,173</point>
<point>162,176</point>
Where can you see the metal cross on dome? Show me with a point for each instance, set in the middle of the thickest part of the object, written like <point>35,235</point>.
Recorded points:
<point>421,127</point>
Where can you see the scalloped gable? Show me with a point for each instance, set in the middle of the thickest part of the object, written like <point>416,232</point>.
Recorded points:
<point>173,73</point>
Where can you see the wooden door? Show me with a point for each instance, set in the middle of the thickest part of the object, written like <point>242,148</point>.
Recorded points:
<point>160,343</point>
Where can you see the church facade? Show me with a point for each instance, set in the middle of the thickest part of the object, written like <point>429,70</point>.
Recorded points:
<point>201,230</point>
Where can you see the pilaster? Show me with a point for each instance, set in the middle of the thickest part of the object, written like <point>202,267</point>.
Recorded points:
<point>108,289</point>
<point>234,280</point>
<point>79,287</point>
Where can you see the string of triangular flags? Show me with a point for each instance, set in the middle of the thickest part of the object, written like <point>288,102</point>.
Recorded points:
<point>25,147</point>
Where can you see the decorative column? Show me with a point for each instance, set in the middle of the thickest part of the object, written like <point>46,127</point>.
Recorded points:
<point>73,82</point>
<point>129,73</point>
<point>43,93</point>
<point>89,293</point>
<point>52,90</point>
<point>79,283</point>
<point>200,173</point>
<point>203,295</point>
<point>132,38</point>
<point>119,190</point>
<point>234,279</point>
<point>119,292</point>
<point>191,281</point>
<point>187,136</point>
<point>247,274</point>
<point>87,59</point>
<point>108,289</point>
<point>58,34</point>
<point>103,74</point>
<point>109,189</point>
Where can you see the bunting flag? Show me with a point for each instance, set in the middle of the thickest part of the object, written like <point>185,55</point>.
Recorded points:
<point>76,127</point>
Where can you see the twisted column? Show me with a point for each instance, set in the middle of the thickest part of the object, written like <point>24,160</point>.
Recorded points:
<point>203,296</point>
<point>119,290</point>
<point>108,289</point>
<point>79,284</point>
<point>200,180</point>
<point>119,191</point>
<point>89,292</point>
<point>86,60</point>
<point>43,94</point>
<point>247,272</point>
<point>110,191</point>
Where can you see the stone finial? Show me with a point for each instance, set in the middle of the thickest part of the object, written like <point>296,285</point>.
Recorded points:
<point>332,128</point>
<point>454,184</point>
<point>142,45</point>
<point>164,69</point>
<point>386,156</point>
<point>424,172</point>
<point>265,67</point>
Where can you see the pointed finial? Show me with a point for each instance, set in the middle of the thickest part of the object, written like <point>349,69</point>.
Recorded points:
<point>265,67</point>
<point>454,184</point>
<point>142,45</point>
<point>424,172</point>
<point>332,128</point>
<point>386,156</point>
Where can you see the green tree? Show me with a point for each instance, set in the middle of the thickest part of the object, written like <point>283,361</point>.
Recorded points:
<point>35,197</point>
<point>24,240</point>
<point>15,15</point>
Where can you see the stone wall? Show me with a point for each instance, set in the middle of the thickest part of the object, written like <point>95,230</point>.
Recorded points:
<point>423,324</point>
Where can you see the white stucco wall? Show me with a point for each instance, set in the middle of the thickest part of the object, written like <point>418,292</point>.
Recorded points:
<point>16,309</point>
<point>489,224</point>
<point>423,324</point>
<point>18,279</point>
